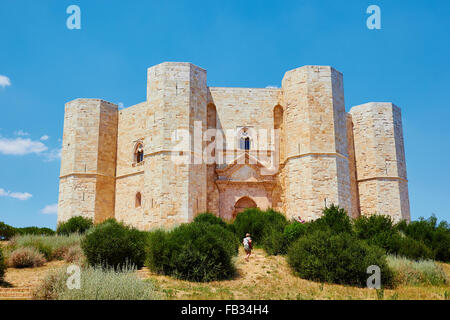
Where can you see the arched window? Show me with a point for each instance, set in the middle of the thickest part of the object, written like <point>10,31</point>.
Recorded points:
<point>279,131</point>
<point>138,200</point>
<point>244,141</point>
<point>139,153</point>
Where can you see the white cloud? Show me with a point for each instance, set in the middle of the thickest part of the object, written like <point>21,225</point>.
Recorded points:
<point>21,146</point>
<point>44,137</point>
<point>54,154</point>
<point>4,81</point>
<point>50,209</point>
<point>21,133</point>
<point>16,195</point>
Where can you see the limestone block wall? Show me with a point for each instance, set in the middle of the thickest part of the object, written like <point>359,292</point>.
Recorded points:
<point>132,129</point>
<point>316,165</point>
<point>380,160</point>
<point>88,160</point>
<point>177,95</point>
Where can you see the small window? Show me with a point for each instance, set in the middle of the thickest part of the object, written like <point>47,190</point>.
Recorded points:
<point>244,139</point>
<point>138,200</point>
<point>245,143</point>
<point>139,153</point>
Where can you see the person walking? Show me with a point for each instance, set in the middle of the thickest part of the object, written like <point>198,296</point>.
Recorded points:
<point>247,242</point>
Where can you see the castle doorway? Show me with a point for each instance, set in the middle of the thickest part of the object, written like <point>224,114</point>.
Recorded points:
<point>242,204</point>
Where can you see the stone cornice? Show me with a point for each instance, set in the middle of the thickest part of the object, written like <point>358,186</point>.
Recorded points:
<point>325,154</point>
<point>86,174</point>
<point>382,178</point>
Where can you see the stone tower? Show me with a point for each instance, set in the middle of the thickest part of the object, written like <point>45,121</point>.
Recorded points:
<point>88,160</point>
<point>175,175</point>
<point>380,160</point>
<point>316,162</point>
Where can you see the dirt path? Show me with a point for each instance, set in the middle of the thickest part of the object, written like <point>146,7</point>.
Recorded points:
<point>20,283</point>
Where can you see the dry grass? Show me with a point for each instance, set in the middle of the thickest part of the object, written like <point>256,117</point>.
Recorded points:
<point>269,277</point>
<point>29,278</point>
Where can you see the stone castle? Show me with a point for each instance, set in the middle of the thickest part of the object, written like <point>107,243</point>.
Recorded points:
<point>120,163</point>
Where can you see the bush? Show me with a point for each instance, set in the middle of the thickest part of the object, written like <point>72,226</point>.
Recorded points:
<point>74,225</point>
<point>2,265</point>
<point>52,247</point>
<point>273,241</point>
<point>413,249</point>
<point>433,235</point>
<point>97,284</point>
<point>6,231</point>
<point>336,258</point>
<point>378,230</point>
<point>293,231</point>
<point>213,219</point>
<point>195,252</point>
<point>26,258</point>
<point>258,223</point>
<point>334,219</point>
<point>73,254</point>
<point>112,244</point>
<point>408,272</point>
<point>266,228</point>
<point>210,218</point>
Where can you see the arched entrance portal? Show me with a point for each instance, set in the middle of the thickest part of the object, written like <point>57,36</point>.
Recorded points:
<point>242,204</point>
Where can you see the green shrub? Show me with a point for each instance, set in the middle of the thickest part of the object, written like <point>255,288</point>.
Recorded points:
<point>97,284</point>
<point>112,244</point>
<point>209,218</point>
<point>433,235</point>
<point>213,219</point>
<point>413,249</point>
<point>74,225</point>
<point>6,231</point>
<point>273,241</point>
<point>333,219</point>
<point>369,227</point>
<point>26,258</point>
<point>325,256</point>
<point>409,272</point>
<point>293,231</point>
<point>257,223</point>
<point>378,230</point>
<point>195,252</point>
<point>266,228</point>
<point>2,265</point>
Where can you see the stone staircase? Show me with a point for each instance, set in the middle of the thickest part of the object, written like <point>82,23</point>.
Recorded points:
<point>16,293</point>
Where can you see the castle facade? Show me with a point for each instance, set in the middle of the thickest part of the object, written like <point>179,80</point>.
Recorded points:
<point>190,148</point>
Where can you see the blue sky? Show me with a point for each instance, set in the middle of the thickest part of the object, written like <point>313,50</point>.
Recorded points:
<point>240,43</point>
